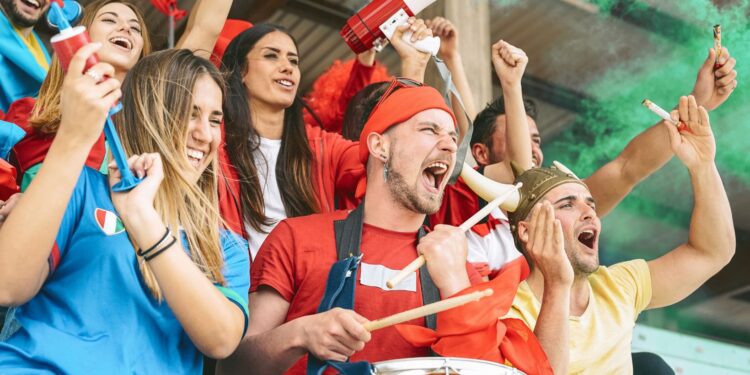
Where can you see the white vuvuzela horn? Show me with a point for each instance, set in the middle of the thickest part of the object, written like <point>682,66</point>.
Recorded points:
<point>488,189</point>
<point>497,194</point>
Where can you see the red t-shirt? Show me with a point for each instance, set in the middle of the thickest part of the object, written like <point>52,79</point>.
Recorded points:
<point>295,260</point>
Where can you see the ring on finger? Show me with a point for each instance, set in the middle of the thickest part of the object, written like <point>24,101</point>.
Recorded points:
<point>94,74</point>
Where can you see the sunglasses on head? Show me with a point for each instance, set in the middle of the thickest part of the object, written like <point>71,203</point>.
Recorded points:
<point>393,86</point>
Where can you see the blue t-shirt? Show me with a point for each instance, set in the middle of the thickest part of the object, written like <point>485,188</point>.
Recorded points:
<point>94,314</point>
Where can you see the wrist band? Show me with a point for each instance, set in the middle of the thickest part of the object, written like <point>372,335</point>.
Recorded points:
<point>164,237</point>
<point>158,252</point>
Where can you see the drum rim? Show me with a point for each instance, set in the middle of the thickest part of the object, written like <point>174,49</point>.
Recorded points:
<point>456,360</point>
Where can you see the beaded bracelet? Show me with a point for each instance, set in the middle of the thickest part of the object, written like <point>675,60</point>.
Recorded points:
<point>164,237</point>
<point>158,252</point>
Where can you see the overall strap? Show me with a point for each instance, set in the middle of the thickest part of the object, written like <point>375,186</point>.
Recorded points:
<point>349,233</point>
<point>340,286</point>
<point>430,292</point>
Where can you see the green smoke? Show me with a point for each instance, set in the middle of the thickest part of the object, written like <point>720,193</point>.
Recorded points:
<point>654,218</point>
<point>615,114</point>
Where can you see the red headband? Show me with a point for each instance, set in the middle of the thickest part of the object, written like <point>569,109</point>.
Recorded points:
<point>399,106</point>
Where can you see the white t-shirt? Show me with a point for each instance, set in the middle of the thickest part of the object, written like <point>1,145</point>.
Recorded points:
<point>265,163</point>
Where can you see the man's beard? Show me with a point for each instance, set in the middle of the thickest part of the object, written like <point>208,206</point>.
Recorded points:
<point>406,195</point>
<point>18,19</point>
<point>580,266</point>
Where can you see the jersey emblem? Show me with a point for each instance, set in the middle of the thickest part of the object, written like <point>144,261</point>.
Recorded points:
<point>108,222</point>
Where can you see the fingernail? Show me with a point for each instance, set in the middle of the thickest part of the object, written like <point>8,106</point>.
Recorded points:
<point>97,44</point>
<point>140,174</point>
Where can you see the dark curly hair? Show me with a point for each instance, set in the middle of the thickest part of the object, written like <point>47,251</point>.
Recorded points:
<point>484,123</point>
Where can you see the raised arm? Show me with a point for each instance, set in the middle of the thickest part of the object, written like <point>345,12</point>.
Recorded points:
<point>645,154</point>
<point>714,86</point>
<point>204,26</point>
<point>413,62</point>
<point>510,64</point>
<point>212,321</point>
<point>25,248</point>
<point>450,54</point>
<point>711,238</point>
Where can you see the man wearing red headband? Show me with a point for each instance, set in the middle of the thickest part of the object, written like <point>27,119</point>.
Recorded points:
<point>409,146</point>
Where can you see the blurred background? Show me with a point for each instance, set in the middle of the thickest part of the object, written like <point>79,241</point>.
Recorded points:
<point>591,64</point>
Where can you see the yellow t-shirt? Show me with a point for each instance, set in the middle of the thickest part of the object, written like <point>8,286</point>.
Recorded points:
<point>34,48</point>
<point>600,338</point>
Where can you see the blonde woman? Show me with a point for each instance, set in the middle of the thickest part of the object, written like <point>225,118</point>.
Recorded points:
<point>121,29</point>
<point>137,282</point>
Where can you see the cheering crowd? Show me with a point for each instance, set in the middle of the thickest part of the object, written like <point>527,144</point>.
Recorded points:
<point>266,226</point>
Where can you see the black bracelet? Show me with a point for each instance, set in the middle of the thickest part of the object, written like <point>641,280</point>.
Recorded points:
<point>157,252</point>
<point>164,237</point>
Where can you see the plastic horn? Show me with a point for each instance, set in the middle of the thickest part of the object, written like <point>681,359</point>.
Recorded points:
<point>488,189</point>
<point>128,180</point>
<point>472,221</point>
<point>65,44</point>
<point>62,14</point>
<point>425,310</point>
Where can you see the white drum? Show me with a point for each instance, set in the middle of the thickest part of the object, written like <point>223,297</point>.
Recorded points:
<point>442,366</point>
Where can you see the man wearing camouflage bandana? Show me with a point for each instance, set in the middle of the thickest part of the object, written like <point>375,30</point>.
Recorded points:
<point>583,313</point>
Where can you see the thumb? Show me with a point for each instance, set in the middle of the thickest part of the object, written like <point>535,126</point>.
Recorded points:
<point>709,62</point>
<point>400,30</point>
<point>114,174</point>
<point>674,134</point>
<point>359,318</point>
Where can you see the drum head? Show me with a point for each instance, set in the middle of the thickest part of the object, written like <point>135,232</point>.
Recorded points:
<point>442,366</point>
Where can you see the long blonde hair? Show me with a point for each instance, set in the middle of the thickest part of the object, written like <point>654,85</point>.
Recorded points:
<point>46,114</point>
<point>157,105</point>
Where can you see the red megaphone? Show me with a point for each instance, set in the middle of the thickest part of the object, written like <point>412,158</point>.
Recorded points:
<point>376,22</point>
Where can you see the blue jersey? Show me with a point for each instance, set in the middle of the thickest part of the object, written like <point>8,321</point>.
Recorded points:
<point>21,73</point>
<point>94,314</point>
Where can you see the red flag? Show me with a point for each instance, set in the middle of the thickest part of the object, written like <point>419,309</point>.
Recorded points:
<point>169,7</point>
<point>485,336</point>
<point>231,29</point>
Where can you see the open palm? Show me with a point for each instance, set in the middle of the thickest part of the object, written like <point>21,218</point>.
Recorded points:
<point>696,145</point>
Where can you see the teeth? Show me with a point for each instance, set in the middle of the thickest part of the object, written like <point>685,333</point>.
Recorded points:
<point>442,167</point>
<point>33,2</point>
<point>195,154</point>
<point>125,41</point>
<point>285,83</point>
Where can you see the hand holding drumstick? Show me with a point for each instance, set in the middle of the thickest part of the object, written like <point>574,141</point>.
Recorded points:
<point>420,261</point>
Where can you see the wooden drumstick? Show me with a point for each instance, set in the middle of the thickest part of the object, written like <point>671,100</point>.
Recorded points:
<point>425,310</point>
<point>473,220</point>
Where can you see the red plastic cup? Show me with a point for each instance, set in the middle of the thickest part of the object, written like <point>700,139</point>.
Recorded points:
<point>67,43</point>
